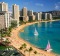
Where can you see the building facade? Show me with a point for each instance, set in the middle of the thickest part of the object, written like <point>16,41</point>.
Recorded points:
<point>32,18</point>
<point>3,6</point>
<point>40,15</point>
<point>51,16</point>
<point>30,13</point>
<point>24,14</point>
<point>4,19</point>
<point>46,16</point>
<point>4,15</point>
<point>24,11</point>
<point>15,13</point>
<point>37,16</point>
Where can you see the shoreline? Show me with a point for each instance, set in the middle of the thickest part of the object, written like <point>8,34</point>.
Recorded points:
<point>17,41</point>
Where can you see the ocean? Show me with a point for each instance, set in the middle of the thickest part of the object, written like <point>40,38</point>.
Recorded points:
<point>46,31</point>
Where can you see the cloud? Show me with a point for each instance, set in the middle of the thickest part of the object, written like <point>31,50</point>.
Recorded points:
<point>57,5</point>
<point>39,4</point>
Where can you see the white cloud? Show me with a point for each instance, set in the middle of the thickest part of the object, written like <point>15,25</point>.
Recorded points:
<point>39,4</point>
<point>57,5</point>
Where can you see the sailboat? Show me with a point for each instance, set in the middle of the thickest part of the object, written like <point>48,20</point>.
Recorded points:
<point>48,48</point>
<point>36,33</point>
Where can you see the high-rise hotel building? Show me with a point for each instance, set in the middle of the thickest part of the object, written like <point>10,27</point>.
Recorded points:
<point>24,11</point>
<point>48,16</point>
<point>15,13</point>
<point>4,15</point>
<point>51,16</point>
<point>37,16</point>
<point>24,14</point>
<point>31,15</point>
<point>3,6</point>
<point>30,12</point>
<point>40,15</point>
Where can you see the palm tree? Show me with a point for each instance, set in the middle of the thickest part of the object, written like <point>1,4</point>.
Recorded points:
<point>25,50</point>
<point>10,28</point>
<point>24,45</point>
<point>6,42</point>
<point>35,52</point>
<point>30,49</point>
<point>1,33</point>
<point>21,48</point>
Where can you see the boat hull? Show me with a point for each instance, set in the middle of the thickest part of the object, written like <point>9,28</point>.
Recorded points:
<point>36,34</point>
<point>49,50</point>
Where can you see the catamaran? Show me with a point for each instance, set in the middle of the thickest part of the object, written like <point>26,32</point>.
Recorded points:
<point>48,48</point>
<point>36,33</point>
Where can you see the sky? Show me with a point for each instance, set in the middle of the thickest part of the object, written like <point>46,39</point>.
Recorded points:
<point>35,5</point>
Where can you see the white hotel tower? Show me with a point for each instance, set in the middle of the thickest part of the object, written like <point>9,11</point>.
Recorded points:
<point>15,12</point>
<point>3,6</point>
<point>4,15</point>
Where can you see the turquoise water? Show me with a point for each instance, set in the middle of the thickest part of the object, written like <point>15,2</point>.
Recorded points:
<point>47,31</point>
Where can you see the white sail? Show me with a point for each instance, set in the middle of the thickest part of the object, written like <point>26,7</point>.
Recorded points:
<point>35,33</point>
<point>48,48</point>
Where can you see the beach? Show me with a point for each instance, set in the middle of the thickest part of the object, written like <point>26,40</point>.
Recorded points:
<point>16,42</point>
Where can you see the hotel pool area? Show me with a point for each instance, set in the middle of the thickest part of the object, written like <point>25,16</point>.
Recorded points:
<point>47,31</point>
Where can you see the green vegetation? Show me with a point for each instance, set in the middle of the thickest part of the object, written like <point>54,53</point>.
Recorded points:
<point>25,50</point>
<point>3,47</point>
<point>5,32</point>
<point>56,17</point>
<point>32,20</point>
<point>13,23</point>
<point>35,52</point>
<point>22,22</point>
<point>30,49</point>
<point>23,46</point>
<point>6,42</point>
